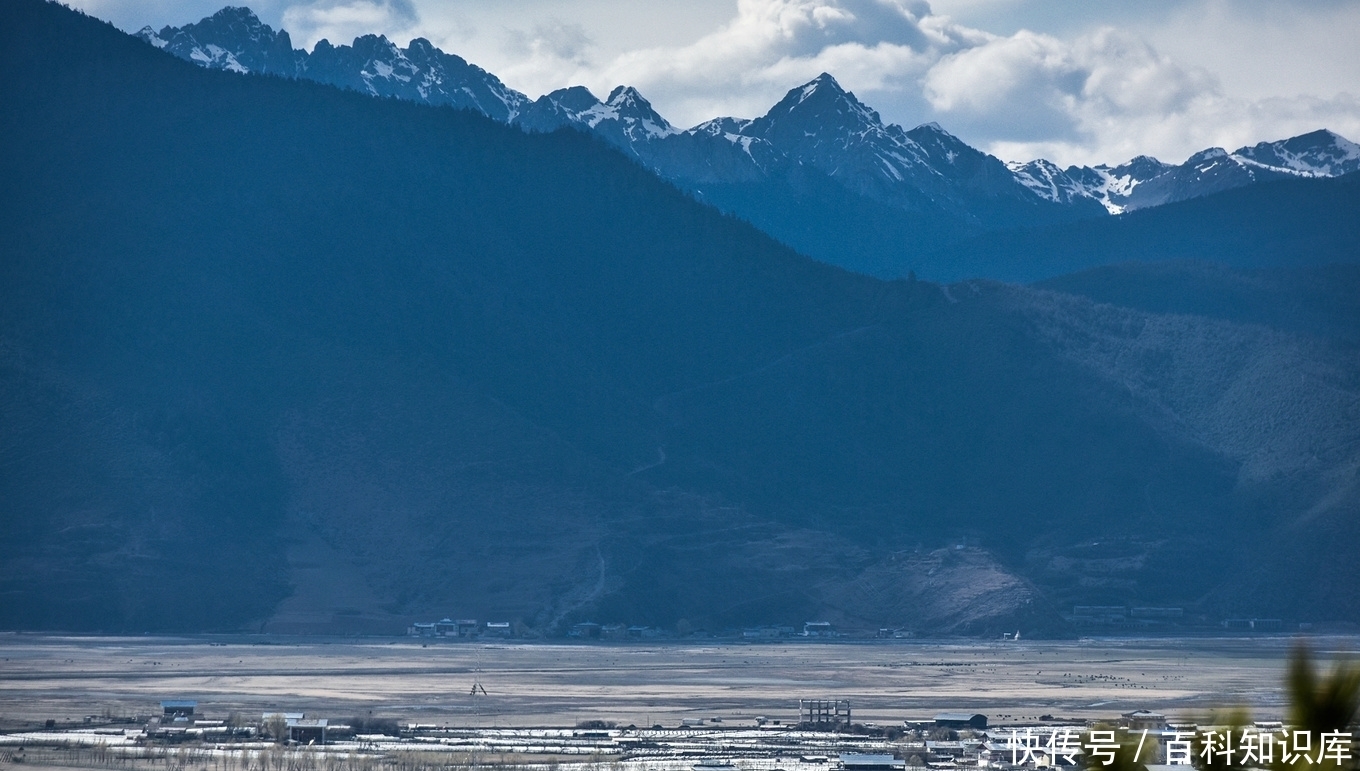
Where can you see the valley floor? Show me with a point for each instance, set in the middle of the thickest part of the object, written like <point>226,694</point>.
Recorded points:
<point>70,679</point>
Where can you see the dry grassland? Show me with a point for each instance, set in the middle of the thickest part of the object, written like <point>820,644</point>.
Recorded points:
<point>541,684</point>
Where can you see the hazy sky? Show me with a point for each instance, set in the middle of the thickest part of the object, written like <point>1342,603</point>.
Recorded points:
<point>1075,81</point>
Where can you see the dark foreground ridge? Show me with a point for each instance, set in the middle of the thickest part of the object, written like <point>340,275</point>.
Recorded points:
<point>274,353</point>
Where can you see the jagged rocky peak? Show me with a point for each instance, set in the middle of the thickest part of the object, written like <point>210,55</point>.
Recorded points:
<point>573,98</point>
<point>237,13</point>
<point>425,49</point>
<point>375,46</point>
<point>628,101</point>
<point>722,127</point>
<point>423,53</point>
<point>239,19</point>
<point>1207,154</point>
<point>1035,169</point>
<point>1215,161</point>
<point>820,101</point>
<point>1043,178</point>
<point>233,39</point>
<point>624,118</point>
<point>1141,167</point>
<point>631,107</point>
<point>242,16</point>
<point>821,124</point>
<point>931,128</point>
<point>933,137</point>
<point>1321,153</point>
<point>627,95</point>
<point>557,109</point>
<point>237,22</point>
<point>818,124</point>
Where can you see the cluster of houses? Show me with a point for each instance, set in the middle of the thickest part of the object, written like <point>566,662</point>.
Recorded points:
<point>589,630</point>
<point>1120,615</point>
<point>1160,742</point>
<point>1102,616</point>
<point>1148,618</point>
<point>463,627</point>
<point>180,721</point>
<point>949,741</point>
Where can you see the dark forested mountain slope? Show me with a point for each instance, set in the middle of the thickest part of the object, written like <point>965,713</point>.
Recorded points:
<point>1283,224</point>
<point>1314,301</point>
<point>274,353</point>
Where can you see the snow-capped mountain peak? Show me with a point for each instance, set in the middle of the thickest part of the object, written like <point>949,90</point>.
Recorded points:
<point>1142,167</point>
<point>818,125</point>
<point>1144,181</point>
<point>232,39</point>
<point>630,107</point>
<point>1208,158</point>
<point>1045,180</point>
<point>149,35</point>
<point>721,127</point>
<point>1111,187</point>
<point>574,99</point>
<point>821,100</point>
<point>1319,153</point>
<point>625,118</point>
<point>235,39</point>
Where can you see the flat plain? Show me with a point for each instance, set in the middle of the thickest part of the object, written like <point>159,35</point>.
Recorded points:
<point>559,684</point>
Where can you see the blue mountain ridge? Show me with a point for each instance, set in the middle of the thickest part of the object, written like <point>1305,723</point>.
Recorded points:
<point>820,171</point>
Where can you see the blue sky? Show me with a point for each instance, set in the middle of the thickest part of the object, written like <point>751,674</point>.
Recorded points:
<point>1075,81</point>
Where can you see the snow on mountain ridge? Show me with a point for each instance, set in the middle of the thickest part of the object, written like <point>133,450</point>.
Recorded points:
<point>818,125</point>
<point>826,127</point>
<point>624,118</point>
<point>1041,176</point>
<point>235,39</point>
<point>149,35</point>
<point>629,106</point>
<point>1320,153</point>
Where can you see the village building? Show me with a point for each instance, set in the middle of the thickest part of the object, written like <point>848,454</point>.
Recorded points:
<point>972,720</point>
<point>1143,720</point>
<point>178,708</point>
<point>824,711</point>
<point>862,762</point>
<point>819,629</point>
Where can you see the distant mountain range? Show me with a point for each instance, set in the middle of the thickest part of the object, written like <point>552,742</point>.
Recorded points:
<point>820,171</point>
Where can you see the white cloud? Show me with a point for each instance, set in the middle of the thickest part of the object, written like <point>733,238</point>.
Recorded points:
<point>340,21</point>
<point>1207,121</point>
<point>1077,83</point>
<point>1101,95</point>
<point>1022,86</point>
<point>1032,89</point>
<point>555,39</point>
<point>769,47</point>
<point>1105,97</point>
